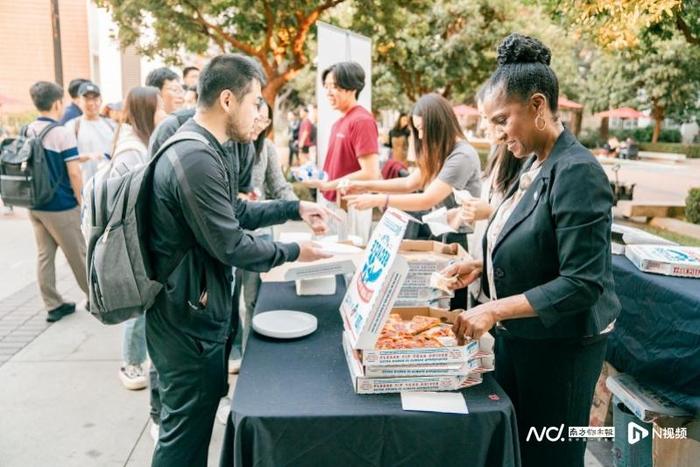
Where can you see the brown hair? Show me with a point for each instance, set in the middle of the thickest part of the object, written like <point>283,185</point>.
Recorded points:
<point>140,108</point>
<point>440,133</point>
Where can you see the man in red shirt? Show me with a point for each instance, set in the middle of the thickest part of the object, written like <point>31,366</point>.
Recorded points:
<point>353,145</point>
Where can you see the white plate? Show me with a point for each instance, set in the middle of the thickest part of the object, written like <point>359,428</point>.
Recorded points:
<point>339,248</point>
<point>284,324</point>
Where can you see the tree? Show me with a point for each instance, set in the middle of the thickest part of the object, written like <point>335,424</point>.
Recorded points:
<point>621,24</point>
<point>274,32</point>
<point>660,75</point>
<point>451,47</point>
<point>443,46</point>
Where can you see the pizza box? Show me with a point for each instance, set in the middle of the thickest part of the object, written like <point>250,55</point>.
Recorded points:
<point>474,365</point>
<point>428,355</point>
<point>641,401</point>
<point>668,260</point>
<point>425,257</point>
<point>367,385</point>
<point>375,285</point>
<point>623,235</point>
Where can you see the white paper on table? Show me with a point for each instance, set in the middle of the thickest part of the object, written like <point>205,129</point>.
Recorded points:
<point>294,237</point>
<point>443,402</point>
<point>437,221</point>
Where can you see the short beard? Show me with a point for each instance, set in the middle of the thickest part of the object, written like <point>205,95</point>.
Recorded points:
<point>233,130</point>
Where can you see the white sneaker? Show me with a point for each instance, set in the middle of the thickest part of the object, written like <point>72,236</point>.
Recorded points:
<point>133,377</point>
<point>224,410</point>
<point>234,366</point>
<point>155,432</point>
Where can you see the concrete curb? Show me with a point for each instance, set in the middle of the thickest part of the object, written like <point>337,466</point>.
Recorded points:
<point>676,226</point>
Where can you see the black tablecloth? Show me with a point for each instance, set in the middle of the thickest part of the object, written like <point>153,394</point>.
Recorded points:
<point>294,405</point>
<point>657,336</point>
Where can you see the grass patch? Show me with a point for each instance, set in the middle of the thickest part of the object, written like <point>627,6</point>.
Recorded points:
<point>668,235</point>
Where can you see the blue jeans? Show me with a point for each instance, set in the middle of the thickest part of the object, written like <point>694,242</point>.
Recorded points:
<point>134,341</point>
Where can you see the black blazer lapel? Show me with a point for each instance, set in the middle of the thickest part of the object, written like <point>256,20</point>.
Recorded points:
<point>524,208</point>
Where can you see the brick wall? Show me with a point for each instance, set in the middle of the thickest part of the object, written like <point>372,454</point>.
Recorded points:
<point>26,54</point>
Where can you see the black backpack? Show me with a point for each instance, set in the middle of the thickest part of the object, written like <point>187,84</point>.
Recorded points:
<point>25,178</point>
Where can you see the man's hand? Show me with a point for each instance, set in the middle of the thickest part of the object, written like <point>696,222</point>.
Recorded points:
<point>311,251</point>
<point>365,201</point>
<point>474,323</point>
<point>316,216</point>
<point>466,272</point>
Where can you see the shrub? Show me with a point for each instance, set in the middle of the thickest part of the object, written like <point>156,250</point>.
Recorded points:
<point>692,206</point>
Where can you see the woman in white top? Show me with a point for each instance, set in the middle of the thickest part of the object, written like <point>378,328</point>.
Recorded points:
<point>143,110</point>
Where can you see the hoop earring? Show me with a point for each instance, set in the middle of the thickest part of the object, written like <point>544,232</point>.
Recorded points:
<point>544,122</point>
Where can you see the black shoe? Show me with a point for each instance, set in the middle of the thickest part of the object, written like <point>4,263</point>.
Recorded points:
<point>59,312</point>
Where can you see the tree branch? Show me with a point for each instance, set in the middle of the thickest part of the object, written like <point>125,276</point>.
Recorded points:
<point>682,26</point>
<point>305,24</point>
<point>269,28</point>
<point>242,46</point>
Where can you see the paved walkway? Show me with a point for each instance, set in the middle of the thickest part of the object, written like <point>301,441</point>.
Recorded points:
<point>61,400</point>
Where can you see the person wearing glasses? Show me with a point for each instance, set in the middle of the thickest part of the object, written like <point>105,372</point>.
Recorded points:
<point>170,87</point>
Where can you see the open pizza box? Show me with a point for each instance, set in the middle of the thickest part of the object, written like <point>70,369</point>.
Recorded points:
<point>366,384</point>
<point>425,257</point>
<point>370,299</point>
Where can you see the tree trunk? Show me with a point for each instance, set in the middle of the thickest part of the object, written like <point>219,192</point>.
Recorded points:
<point>604,129</point>
<point>658,114</point>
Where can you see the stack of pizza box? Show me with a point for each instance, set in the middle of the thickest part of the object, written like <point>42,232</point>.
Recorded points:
<point>425,257</point>
<point>366,308</point>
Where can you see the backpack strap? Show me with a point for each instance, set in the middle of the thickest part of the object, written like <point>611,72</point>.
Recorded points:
<point>46,130</point>
<point>174,139</point>
<point>77,126</point>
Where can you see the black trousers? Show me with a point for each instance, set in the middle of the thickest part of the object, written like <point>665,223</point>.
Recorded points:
<point>550,383</point>
<point>193,377</point>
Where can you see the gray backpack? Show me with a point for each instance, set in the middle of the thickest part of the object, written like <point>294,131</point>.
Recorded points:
<point>117,223</point>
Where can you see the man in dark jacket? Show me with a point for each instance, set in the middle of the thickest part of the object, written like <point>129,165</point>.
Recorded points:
<point>196,238</point>
<point>241,156</point>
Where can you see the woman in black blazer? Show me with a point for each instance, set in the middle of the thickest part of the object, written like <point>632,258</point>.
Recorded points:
<point>547,260</point>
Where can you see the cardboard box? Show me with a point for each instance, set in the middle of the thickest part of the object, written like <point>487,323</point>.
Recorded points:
<point>427,355</point>
<point>375,285</point>
<point>370,300</point>
<point>474,365</point>
<point>318,269</point>
<point>425,257</point>
<point>367,385</point>
<point>642,402</point>
<point>317,286</point>
<point>669,260</point>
